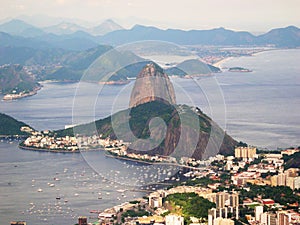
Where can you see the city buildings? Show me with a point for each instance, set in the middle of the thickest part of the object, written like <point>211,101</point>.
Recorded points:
<point>247,153</point>
<point>222,221</point>
<point>288,178</point>
<point>174,220</point>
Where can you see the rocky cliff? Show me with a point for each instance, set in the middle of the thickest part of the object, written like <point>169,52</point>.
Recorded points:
<point>152,84</point>
<point>154,124</point>
<point>184,131</point>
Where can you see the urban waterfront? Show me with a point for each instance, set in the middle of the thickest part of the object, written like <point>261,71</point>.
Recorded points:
<point>261,109</point>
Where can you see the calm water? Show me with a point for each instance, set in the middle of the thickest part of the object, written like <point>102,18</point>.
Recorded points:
<point>260,108</point>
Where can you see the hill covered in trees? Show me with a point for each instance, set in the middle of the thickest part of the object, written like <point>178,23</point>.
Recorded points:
<point>10,126</point>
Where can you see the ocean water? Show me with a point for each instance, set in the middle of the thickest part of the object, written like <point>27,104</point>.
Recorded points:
<point>260,108</point>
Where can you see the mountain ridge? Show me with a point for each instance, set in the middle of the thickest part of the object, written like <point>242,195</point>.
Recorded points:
<point>112,33</point>
<point>216,36</point>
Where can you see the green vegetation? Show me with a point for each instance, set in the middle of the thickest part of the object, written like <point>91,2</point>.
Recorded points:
<point>189,205</point>
<point>134,213</point>
<point>192,67</point>
<point>175,71</point>
<point>10,126</point>
<point>67,65</point>
<point>114,66</point>
<point>139,118</point>
<point>281,194</point>
<point>13,79</point>
<point>203,181</point>
<point>292,161</point>
<point>130,71</point>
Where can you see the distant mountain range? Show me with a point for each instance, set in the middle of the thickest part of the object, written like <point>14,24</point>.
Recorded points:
<point>281,37</point>
<point>72,36</point>
<point>69,28</point>
<point>21,28</point>
<point>67,65</point>
<point>66,55</point>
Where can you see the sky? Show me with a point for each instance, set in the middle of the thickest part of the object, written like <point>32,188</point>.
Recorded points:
<point>250,15</point>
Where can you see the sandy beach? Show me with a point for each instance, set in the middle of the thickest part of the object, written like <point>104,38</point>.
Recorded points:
<point>219,63</point>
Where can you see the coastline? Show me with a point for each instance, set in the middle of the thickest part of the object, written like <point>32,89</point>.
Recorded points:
<point>46,150</point>
<point>260,51</point>
<point>10,97</point>
<point>57,150</point>
<point>222,61</point>
<point>151,163</point>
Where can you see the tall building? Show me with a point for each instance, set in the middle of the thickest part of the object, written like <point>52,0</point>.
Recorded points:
<point>284,218</point>
<point>221,198</point>
<point>245,152</point>
<point>268,218</point>
<point>272,219</point>
<point>82,220</point>
<point>234,200</point>
<point>258,212</point>
<point>174,220</point>
<point>155,202</point>
<point>212,215</point>
<point>297,182</point>
<point>225,203</point>
<point>281,179</point>
<point>286,179</point>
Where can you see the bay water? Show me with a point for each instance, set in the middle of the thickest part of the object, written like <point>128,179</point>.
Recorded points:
<point>260,108</point>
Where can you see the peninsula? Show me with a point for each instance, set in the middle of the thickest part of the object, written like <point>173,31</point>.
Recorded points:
<point>17,82</point>
<point>152,97</point>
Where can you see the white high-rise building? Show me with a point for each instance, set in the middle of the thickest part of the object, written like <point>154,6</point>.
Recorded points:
<point>258,212</point>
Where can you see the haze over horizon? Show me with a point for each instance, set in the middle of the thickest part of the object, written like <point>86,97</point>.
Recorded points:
<point>253,16</point>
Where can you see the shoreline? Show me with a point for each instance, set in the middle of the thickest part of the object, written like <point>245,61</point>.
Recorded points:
<point>152,163</point>
<point>222,61</point>
<point>10,97</point>
<point>57,150</point>
<point>46,150</point>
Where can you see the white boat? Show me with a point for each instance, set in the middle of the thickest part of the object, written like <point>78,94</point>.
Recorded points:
<point>40,190</point>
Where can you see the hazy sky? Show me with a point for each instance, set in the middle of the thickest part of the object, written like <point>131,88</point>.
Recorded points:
<point>251,15</point>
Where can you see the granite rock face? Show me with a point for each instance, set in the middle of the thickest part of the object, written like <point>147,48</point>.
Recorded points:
<point>152,84</point>
<point>155,125</point>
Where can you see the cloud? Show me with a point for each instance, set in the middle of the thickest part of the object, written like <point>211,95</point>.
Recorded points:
<point>20,7</point>
<point>61,2</point>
